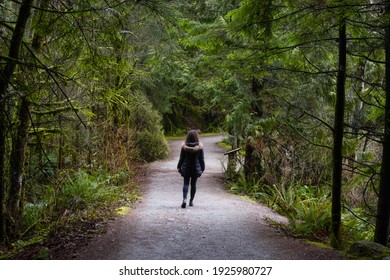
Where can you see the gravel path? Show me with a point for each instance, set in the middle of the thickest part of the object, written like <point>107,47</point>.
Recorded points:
<point>219,226</point>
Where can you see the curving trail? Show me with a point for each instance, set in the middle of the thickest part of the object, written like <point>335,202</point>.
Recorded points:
<point>220,226</point>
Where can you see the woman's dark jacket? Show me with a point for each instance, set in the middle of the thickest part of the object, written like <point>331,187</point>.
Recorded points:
<point>191,162</point>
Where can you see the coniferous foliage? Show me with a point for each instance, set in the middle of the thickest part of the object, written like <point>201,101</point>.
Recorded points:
<point>70,99</point>
<point>90,87</point>
<point>289,123</point>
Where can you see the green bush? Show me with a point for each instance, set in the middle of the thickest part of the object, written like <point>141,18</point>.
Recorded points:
<point>80,191</point>
<point>82,196</point>
<point>151,145</point>
<point>242,187</point>
<point>33,214</point>
<point>308,209</point>
<point>149,139</point>
<point>85,190</point>
<point>311,217</point>
<point>356,228</point>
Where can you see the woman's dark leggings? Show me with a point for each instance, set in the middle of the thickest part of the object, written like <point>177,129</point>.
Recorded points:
<point>187,180</point>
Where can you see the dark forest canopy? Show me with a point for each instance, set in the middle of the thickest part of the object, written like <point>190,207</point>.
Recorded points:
<point>89,89</point>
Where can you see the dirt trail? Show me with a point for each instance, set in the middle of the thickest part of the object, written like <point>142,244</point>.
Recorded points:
<point>218,226</point>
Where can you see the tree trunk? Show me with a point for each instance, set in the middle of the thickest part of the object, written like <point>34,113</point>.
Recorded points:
<point>338,135</point>
<point>2,165</point>
<point>253,167</point>
<point>19,143</point>
<point>253,163</point>
<point>249,162</point>
<point>383,213</point>
<point>5,78</point>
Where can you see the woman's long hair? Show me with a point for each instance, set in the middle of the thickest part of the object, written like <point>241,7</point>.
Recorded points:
<point>192,137</point>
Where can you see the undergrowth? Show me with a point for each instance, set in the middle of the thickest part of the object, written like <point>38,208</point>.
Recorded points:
<point>82,202</point>
<point>307,208</point>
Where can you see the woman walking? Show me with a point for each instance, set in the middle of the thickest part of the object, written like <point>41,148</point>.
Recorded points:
<point>191,165</point>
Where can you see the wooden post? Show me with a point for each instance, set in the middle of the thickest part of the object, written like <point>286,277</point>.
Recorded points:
<point>232,160</point>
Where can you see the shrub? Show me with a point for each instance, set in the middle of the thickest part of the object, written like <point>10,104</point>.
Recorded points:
<point>151,145</point>
<point>85,190</point>
<point>149,138</point>
<point>357,228</point>
<point>79,192</point>
<point>311,217</point>
<point>308,208</point>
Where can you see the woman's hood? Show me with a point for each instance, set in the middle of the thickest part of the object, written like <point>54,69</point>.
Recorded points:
<point>192,147</point>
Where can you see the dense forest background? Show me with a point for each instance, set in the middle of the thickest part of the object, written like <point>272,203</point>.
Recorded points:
<point>89,89</point>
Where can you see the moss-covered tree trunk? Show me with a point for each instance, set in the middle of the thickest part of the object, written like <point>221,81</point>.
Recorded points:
<point>253,167</point>
<point>5,79</point>
<point>17,160</point>
<point>383,212</point>
<point>253,163</point>
<point>2,166</point>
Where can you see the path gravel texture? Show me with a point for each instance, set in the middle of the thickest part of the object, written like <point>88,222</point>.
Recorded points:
<point>220,226</point>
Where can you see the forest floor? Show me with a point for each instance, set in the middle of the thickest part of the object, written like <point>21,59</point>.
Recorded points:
<point>219,226</point>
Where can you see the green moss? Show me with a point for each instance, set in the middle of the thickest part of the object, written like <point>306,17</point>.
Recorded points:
<point>224,145</point>
<point>124,210</point>
<point>319,244</point>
